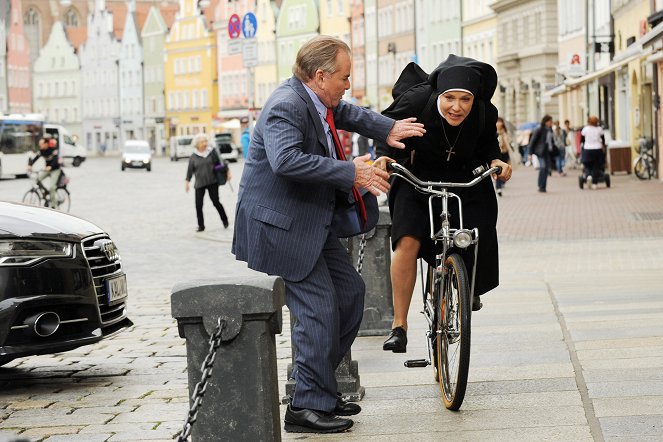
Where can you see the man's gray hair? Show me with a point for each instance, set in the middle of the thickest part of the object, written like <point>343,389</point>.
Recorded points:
<point>318,53</point>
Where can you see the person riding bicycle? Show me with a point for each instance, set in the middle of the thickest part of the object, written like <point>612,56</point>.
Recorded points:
<point>49,152</point>
<point>454,104</point>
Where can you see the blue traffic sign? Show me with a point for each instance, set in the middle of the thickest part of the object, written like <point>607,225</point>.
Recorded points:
<point>249,25</point>
<point>234,26</point>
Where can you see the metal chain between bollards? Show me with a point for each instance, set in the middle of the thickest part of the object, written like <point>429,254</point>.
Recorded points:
<point>201,387</point>
<point>360,259</point>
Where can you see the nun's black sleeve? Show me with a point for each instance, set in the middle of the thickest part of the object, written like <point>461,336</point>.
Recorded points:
<point>405,107</point>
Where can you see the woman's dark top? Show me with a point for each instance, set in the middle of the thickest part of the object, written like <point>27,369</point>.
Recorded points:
<point>203,168</point>
<point>426,157</point>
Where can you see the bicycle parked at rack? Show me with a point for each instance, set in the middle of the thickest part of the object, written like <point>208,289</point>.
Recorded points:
<point>448,289</point>
<point>40,195</point>
<point>644,164</point>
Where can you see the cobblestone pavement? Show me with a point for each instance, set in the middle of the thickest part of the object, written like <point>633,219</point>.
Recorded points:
<point>569,347</point>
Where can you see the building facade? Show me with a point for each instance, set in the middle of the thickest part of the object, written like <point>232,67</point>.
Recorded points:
<point>57,82</point>
<point>130,65</point>
<point>19,78</point>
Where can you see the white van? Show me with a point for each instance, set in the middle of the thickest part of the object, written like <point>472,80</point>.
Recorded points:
<point>67,146</point>
<point>181,147</point>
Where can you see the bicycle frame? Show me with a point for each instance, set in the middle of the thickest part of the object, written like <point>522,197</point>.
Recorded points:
<point>447,235</point>
<point>450,238</point>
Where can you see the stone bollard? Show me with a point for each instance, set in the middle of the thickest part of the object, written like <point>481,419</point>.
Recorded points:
<point>241,401</point>
<point>378,306</point>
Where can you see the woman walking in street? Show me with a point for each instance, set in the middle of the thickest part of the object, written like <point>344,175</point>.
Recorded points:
<point>540,144</point>
<point>201,164</point>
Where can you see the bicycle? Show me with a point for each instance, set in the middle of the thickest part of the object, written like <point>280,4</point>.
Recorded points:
<point>39,195</point>
<point>644,164</point>
<point>448,291</point>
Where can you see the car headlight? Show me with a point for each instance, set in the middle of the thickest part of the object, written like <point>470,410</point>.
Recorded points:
<point>462,239</point>
<point>26,252</point>
<point>127,160</point>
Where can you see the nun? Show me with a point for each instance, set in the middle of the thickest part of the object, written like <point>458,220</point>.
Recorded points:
<point>453,103</point>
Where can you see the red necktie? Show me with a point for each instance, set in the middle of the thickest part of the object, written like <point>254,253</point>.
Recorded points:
<point>361,209</point>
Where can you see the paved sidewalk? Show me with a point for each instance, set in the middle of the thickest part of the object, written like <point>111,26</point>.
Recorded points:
<point>569,347</point>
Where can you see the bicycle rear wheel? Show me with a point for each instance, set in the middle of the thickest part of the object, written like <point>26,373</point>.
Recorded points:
<point>431,295</point>
<point>64,199</point>
<point>642,168</point>
<point>454,314</point>
<point>33,198</point>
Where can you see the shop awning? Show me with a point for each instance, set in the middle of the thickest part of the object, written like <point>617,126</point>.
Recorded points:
<point>573,83</point>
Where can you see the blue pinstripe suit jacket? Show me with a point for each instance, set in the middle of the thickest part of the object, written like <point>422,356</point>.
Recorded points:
<point>287,191</point>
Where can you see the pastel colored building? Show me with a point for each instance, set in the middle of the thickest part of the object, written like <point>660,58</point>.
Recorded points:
<point>99,57</point>
<point>19,87</point>
<point>298,21</point>
<point>191,73</point>
<point>57,82</point>
<point>153,37</point>
<point>264,74</point>
<point>130,75</point>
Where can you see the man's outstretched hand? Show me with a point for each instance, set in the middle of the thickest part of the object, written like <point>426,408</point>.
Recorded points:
<point>404,129</point>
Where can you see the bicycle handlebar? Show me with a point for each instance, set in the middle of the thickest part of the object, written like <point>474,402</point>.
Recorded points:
<point>481,172</point>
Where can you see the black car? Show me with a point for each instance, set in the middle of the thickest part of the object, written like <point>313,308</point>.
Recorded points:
<point>61,282</point>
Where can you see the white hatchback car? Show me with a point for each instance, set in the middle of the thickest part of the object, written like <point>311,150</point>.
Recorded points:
<point>137,154</point>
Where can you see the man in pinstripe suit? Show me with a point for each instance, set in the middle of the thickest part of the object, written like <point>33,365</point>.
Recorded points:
<point>283,221</point>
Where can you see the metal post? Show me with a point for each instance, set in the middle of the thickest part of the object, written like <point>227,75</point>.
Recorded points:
<point>241,400</point>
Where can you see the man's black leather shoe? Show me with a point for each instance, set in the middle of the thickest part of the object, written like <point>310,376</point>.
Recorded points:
<point>313,421</point>
<point>345,408</point>
<point>397,341</point>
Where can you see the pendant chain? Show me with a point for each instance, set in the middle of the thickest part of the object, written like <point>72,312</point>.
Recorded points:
<point>450,151</point>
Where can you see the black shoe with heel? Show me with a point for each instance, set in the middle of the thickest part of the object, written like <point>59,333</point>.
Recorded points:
<point>345,408</point>
<point>397,341</point>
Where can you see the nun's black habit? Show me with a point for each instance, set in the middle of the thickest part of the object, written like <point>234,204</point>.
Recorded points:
<point>474,143</point>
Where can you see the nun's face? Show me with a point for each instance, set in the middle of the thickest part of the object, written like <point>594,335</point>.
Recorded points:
<point>455,106</point>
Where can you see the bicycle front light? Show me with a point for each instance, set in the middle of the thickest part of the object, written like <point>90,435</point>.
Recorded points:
<point>462,239</point>
<point>21,252</point>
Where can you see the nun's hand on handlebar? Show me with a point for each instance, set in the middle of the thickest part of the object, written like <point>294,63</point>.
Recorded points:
<point>382,162</point>
<point>505,175</point>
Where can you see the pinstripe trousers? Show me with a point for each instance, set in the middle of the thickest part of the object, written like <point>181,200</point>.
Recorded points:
<point>328,306</point>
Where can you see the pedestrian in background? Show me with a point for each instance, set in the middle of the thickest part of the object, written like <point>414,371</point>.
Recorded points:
<point>559,140</point>
<point>593,145</point>
<point>293,179</point>
<point>571,151</point>
<point>246,136</point>
<point>201,164</point>
<point>504,141</point>
<point>540,145</point>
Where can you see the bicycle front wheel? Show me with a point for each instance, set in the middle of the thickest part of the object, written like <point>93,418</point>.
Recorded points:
<point>454,314</point>
<point>33,198</point>
<point>64,199</point>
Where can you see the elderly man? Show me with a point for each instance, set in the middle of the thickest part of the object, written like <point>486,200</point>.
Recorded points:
<point>294,172</point>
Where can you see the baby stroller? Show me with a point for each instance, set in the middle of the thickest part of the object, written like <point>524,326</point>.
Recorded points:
<point>593,164</point>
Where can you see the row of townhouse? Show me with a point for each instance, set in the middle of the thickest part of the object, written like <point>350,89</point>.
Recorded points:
<point>157,68</point>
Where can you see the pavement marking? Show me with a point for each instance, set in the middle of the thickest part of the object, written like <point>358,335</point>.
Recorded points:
<point>588,405</point>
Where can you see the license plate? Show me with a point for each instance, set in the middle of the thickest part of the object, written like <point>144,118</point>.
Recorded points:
<point>116,288</point>
<point>136,163</point>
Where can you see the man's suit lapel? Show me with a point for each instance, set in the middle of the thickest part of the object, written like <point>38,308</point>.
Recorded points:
<point>322,137</point>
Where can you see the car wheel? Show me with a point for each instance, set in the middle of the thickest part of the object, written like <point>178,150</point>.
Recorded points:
<point>149,168</point>
<point>77,162</point>
<point>123,168</point>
